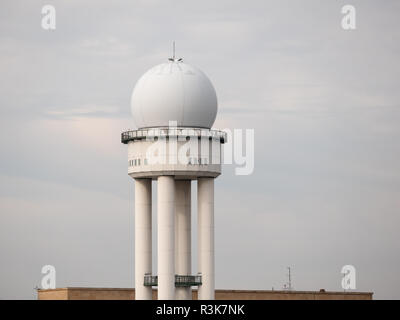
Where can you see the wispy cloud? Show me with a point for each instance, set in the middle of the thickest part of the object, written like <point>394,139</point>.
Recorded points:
<point>85,111</point>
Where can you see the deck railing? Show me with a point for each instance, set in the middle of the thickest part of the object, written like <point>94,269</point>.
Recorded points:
<point>141,134</point>
<point>180,280</point>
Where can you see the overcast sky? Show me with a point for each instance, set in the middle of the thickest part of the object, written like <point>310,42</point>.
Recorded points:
<point>324,104</point>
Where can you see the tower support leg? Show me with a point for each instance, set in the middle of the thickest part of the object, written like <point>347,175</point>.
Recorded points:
<point>205,233</point>
<point>166,237</point>
<point>183,256</point>
<point>143,244</point>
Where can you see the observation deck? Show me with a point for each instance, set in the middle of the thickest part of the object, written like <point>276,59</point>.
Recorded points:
<point>155,133</point>
<point>186,153</point>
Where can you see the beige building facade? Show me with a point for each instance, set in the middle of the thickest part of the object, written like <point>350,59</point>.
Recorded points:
<point>129,294</point>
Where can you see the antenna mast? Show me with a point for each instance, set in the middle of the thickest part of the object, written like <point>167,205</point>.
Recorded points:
<point>290,279</point>
<point>174,59</point>
<point>288,285</point>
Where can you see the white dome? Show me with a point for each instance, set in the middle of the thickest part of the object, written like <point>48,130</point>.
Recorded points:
<point>174,91</point>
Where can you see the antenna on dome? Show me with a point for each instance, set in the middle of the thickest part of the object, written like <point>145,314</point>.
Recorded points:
<point>173,59</point>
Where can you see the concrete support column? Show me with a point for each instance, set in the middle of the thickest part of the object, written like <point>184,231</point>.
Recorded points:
<point>205,233</point>
<point>142,237</point>
<point>183,244</point>
<point>166,237</point>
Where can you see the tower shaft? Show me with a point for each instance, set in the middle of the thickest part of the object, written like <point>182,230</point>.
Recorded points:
<point>174,157</point>
<point>183,241</point>
<point>205,234</point>
<point>166,237</point>
<point>143,243</point>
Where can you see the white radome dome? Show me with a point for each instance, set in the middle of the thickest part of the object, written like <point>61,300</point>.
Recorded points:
<point>174,91</point>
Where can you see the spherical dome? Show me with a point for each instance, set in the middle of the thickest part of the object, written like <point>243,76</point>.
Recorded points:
<point>174,91</point>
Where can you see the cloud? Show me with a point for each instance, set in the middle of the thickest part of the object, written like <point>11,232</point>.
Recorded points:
<point>84,112</point>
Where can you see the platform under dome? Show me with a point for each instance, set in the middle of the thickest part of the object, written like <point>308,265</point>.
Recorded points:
<point>174,91</point>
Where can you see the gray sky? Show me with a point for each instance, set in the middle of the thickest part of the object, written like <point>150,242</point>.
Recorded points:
<point>324,104</point>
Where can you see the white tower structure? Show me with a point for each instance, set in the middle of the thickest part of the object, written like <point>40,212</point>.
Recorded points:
<point>174,106</point>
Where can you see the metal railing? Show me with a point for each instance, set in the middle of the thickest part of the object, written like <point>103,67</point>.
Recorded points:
<point>180,281</point>
<point>150,280</point>
<point>153,133</point>
<point>187,281</point>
